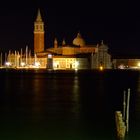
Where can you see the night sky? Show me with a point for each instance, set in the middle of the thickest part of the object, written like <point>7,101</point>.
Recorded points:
<point>116,22</point>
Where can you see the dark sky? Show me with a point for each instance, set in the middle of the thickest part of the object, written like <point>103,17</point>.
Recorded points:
<point>116,22</point>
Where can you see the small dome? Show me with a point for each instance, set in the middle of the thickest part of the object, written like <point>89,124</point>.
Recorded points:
<point>103,46</point>
<point>79,41</point>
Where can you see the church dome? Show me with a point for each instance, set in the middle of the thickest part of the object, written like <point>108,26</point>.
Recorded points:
<point>103,46</point>
<point>79,41</point>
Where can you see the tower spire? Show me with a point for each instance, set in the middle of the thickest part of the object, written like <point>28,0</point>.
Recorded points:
<point>55,43</point>
<point>63,42</point>
<point>102,42</point>
<point>39,18</point>
<point>39,34</point>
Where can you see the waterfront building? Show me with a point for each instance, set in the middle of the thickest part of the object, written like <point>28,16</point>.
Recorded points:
<point>126,63</point>
<point>77,55</point>
<point>13,59</point>
<point>101,58</point>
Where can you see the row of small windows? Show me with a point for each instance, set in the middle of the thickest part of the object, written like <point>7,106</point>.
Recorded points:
<point>66,59</point>
<point>39,27</point>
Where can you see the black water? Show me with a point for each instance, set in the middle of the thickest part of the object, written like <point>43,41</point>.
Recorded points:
<point>66,105</point>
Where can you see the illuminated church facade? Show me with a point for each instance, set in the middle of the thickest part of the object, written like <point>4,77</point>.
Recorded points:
<point>78,55</point>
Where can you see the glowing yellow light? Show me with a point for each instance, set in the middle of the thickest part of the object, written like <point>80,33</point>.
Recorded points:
<point>49,55</point>
<point>101,68</point>
<point>138,64</point>
<point>22,64</point>
<point>37,64</point>
<point>8,64</point>
<point>76,64</point>
<point>55,64</point>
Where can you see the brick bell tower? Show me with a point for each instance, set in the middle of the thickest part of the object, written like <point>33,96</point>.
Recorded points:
<point>38,34</point>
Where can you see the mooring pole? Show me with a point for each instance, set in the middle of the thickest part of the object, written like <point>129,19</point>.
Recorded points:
<point>124,105</point>
<point>127,111</point>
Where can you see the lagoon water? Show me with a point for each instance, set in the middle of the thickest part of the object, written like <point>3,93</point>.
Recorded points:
<point>66,105</point>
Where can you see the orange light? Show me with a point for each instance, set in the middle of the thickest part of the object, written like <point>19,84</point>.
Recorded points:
<point>101,68</point>
<point>138,64</point>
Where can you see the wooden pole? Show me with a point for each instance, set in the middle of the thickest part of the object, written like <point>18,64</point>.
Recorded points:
<point>127,111</point>
<point>124,104</point>
<point>120,125</point>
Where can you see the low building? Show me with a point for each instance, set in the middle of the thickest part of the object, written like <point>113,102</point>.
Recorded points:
<point>126,63</point>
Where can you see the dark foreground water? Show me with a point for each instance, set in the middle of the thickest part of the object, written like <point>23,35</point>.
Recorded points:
<point>59,105</point>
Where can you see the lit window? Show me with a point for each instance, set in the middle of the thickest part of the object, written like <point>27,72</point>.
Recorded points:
<point>37,27</point>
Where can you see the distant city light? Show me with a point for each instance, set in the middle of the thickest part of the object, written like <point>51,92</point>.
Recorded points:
<point>37,64</point>
<point>55,64</point>
<point>101,68</point>
<point>8,64</point>
<point>121,66</point>
<point>138,64</point>
<point>76,64</point>
<point>22,64</point>
<point>49,55</point>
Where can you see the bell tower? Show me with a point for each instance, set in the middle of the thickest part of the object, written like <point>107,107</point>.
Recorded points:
<point>38,34</point>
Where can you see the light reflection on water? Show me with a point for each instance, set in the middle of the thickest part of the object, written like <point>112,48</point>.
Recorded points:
<point>66,105</point>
